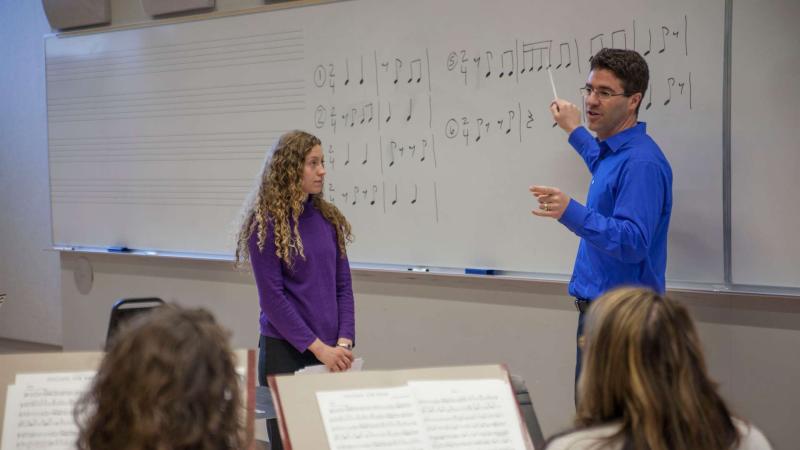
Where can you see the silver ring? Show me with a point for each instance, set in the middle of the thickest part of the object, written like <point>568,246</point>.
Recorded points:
<point>547,207</point>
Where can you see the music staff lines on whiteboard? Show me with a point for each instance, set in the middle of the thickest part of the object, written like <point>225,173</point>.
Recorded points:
<point>230,62</point>
<point>62,151</point>
<point>220,111</point>
<point>146,141</point>
<point>150,191</point>
<point>116,111</point>
<point>142,62</point>
<point>236,41</point>
<point>290,87</point>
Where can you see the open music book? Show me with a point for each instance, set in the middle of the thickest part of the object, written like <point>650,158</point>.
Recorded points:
<point>470,408</point>
<point>38,393</point>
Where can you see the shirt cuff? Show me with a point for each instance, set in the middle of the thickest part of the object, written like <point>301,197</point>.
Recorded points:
<point>574,216</point>
<point>580,137</point>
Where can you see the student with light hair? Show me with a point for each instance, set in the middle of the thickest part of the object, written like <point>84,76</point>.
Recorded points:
<point>645,385</point>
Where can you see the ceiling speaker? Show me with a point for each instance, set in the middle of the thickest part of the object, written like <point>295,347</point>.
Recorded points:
<point>63,14</point>
<point>161,7</point>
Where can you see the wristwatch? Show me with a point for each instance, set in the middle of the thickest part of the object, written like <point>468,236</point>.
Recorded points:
<point>345,345</point>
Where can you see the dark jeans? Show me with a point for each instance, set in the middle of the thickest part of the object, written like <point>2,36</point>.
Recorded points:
<point>276,356</point>
<point>583,310</point>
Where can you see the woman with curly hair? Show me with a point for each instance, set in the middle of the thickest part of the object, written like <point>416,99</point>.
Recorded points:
<point>295,242</point>
<point>645,385</point>
<point>168,381</point>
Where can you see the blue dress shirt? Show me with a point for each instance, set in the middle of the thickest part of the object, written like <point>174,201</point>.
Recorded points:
<point>623,227</point>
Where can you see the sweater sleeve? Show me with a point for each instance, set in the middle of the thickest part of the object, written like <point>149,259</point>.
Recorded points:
<point>344,297</point>
<point>280,312</point>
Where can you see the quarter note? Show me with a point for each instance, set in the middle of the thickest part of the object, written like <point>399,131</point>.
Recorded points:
<point>362,70</point>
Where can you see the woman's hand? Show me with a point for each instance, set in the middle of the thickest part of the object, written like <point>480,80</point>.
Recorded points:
<point>336,359</point>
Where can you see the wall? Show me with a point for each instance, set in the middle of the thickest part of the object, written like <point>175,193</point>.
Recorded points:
<point>403,320</point>
<point>28,275</point>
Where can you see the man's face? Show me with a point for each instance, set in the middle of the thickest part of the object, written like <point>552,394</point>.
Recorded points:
<point>608,116</point>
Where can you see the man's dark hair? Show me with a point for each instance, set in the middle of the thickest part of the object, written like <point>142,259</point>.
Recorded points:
<point>628,66</point>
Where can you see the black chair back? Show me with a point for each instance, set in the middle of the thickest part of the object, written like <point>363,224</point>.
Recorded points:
<point>126,308</point>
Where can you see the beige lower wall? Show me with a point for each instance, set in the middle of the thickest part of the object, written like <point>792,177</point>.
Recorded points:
<point>416,320</point>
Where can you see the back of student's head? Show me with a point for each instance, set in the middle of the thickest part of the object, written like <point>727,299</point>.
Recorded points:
<point>168,381</point>
<point>643,366</point>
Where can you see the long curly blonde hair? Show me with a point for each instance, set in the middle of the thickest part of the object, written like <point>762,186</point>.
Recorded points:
<point>279,200</point>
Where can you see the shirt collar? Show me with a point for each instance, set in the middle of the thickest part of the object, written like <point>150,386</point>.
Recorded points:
<point>616,141</point>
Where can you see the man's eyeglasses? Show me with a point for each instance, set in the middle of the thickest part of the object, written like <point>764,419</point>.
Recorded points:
<point>602,94</point>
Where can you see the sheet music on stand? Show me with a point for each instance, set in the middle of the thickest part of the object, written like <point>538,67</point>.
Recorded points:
<point>39,407</point>
<point>463,414</point>
<point>464,407</point>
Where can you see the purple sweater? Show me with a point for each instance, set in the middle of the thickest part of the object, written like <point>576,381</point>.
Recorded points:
<point>314,298</point>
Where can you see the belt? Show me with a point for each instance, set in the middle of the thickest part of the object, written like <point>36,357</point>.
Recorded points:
<point>582,305</point>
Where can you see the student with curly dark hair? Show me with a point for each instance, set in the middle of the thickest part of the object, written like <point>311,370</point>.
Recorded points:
<point>645,385</point>
<point>167,382</point>
<point>295,242</point>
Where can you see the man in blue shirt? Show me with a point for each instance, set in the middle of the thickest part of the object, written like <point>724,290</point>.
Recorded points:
<point>623,227</point>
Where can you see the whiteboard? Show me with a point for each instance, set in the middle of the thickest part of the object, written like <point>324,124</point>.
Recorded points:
<point>433,118</point>
<point>765,154</point>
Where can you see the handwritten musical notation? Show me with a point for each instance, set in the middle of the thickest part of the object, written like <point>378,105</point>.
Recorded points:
<point>528,57</point>
<point>385,197</point>
<point>368,134</point>
<point>378,116</point>
<point>367,71</point>
<point>472,129</point>
<point>374,114</point>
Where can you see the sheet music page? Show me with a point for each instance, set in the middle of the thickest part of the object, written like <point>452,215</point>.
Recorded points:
<point>55,377</point>
<point>372,419</point>
<point>469,414</point>
<point>39,416</point>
